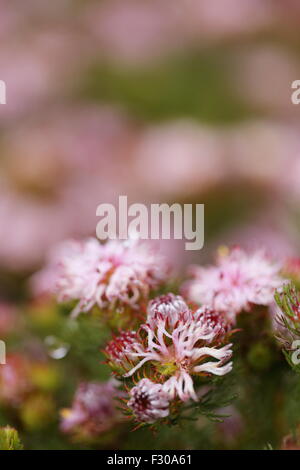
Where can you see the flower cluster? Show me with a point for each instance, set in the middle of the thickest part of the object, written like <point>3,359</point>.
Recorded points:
<point>112,276</point>
<point>173,346</point>
<point>93,411</point>
<point>235,283</point>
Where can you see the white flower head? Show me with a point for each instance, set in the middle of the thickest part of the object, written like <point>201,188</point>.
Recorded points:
<point>169,308</point>
<point>180,349</point>
<point>235,283</point>
<point>112,275</point>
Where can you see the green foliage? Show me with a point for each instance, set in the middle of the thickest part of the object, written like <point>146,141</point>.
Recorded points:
<point>288,300</point>
<point>192,85</point>
<point>219,396</point>
<point>9,439</point>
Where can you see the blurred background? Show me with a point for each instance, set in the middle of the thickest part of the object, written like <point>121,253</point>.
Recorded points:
<point>161,100</point>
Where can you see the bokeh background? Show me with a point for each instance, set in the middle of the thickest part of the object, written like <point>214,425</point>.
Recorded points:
<point>163,101</point>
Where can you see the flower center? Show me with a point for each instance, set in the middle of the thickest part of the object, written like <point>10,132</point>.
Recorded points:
<point>167,368</point>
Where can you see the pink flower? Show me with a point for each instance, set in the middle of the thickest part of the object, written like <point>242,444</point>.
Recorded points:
<point>46,183</point>
<point>133,32</point>
<point>119,349</point>
<point>93,410</point>
<point>252,71</point>
<point>237,281</point>
<point>35,73</point>
<point>212,20</point>
<point>169,308</point>
<point>179,349</point>
<point>173,308</point>
<point>197,150</point>
<point>149,401</point>
<point>113,275</point>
